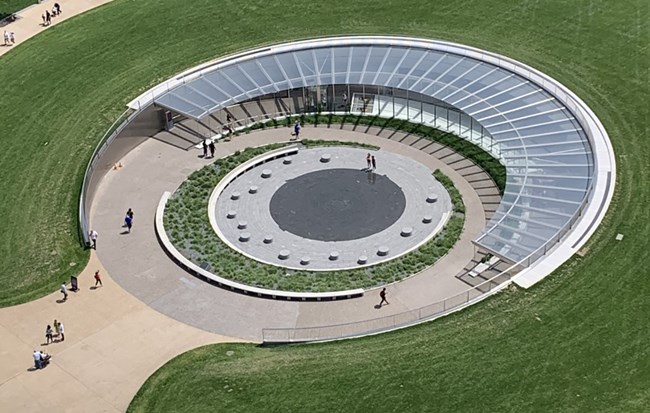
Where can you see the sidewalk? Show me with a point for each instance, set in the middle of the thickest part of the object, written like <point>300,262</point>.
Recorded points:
<point>141,266</point>
<point>113,343</point>
<point>29,22</point>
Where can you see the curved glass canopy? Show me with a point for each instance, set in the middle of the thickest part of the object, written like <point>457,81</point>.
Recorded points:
<point>545,149</point>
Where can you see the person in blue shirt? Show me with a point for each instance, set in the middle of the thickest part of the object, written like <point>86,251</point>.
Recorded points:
<point>296,130</point>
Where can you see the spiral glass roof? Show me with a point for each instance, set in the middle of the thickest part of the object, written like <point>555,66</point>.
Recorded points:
<point>545,149</point>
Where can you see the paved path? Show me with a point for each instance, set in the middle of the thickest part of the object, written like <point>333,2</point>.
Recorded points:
<point>139,264</point>
<point>30,23</point>
<point>114,342</point>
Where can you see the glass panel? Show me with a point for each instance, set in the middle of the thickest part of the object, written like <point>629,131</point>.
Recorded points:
<point>205,87</point>
<point>238,78</point>
<point>341,56</point>
<point>254,71</point>
<point>359,58</point>
<point>394,57</point>
<point>306,62</point>
<point>430,59</point>
<point>323,62</point>
<point>488,80</point>
<point>289,65</point>
<point>195,98</point>
<point>271,68</point>
<point>224,84</point>
<point>411,59</point>
<point>174,103</point>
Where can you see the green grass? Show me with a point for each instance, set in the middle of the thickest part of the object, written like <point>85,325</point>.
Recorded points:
<point>188,227</point>
<point>456,198</point>
<point>11,6</point>
<point>578,342</point>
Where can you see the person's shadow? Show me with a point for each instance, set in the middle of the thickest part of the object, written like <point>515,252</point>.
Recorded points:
<point>60,301</point>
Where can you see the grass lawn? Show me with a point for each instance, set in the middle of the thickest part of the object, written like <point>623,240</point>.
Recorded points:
<point>578,342</point>
<point>11,6</point>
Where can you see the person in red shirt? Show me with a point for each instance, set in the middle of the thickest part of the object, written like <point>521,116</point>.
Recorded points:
<point>98,279</point>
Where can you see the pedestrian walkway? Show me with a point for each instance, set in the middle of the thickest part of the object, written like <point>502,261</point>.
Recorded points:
<point>113,343</point>
<point>29,22</point>
<point>140,265</point>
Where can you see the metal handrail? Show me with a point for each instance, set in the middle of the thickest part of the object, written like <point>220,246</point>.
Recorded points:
<point>267,332</point>
<point>110,134</point>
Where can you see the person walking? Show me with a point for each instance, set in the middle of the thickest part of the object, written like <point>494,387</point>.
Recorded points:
<point>228,123</point>
<point>382,295</point>
<point>6,38</point>
<point>369,161</point>
<point>49,335</point>
<point>98,279</point>
<point>212,148</point>
<point>37,360</point>
<point>56,328</point>
<point>57,8</point>
<point>128,221</point>
<point>93,238</point>
<point>130,213</point>
<point>12,37</point>
<point>48,17</point>
<point>62,330</point>
<point>345,102</point>
<point>374,163</point>
<point>205,148</point>
<point>44,20</point>
<point>296,131</point>
<point>64,291</point>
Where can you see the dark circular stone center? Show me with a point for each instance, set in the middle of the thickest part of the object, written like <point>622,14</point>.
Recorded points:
<point>337,204</point>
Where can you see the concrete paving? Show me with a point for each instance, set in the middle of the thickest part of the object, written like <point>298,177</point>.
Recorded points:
<point>139,264</point>
<point>412,179</point>
<point>113,343</point>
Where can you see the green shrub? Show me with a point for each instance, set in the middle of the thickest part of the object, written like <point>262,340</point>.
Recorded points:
<point>188,227</point>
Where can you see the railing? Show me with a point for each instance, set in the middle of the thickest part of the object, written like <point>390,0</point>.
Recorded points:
<point>391,322</point>
<point>108,137</point>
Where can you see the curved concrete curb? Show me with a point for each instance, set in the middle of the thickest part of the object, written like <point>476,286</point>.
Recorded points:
<point>225,283</point>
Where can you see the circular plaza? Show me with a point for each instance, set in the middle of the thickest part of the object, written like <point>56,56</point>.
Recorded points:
<point>324,209</point>
<point>528,150</point>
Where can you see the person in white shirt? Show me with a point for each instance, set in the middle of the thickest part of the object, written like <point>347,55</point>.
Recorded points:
<point>62,331</point>
<point>37,359</point>
<point>93,237</point>
<point>64,291</point>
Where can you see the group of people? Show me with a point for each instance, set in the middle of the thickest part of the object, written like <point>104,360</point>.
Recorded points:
<point>47,16</point>
<point>57,331</point>
<point>209,146</point>
<point>10,38</point>
<point>41,358</point>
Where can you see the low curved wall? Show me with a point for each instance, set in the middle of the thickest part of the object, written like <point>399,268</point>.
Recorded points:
<point>225,283</point>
